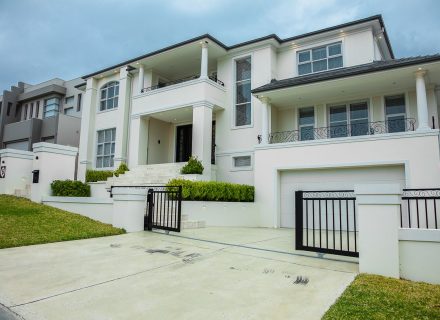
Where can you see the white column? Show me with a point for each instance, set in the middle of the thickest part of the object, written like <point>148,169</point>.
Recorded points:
<point>378,208</point>
<point>138,141</point>
<point>88,134</point>
<point>204,60</point>
<point>265,125</point>
<point>141,79</point>
<point>202,135</point>
<point>422,102</point>
<point>122,117</point>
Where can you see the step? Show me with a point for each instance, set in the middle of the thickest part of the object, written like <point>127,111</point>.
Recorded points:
<point>193,224</point>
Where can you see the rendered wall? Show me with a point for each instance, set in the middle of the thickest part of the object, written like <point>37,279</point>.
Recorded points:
<point>18,171</point>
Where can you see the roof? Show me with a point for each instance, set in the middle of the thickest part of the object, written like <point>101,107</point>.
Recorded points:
<point>346,72</point>
<point>268,37</point>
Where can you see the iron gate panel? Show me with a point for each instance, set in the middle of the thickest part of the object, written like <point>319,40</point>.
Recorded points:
<point>164,208</point>
<point>419,209</point>
<point>326,222</point>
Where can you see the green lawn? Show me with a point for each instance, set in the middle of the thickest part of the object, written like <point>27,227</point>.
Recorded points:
<point>376,297</point>
<point>23,223</point>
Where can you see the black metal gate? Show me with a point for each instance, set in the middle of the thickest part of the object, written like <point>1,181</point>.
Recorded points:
<point>164,208</point>
<point>326,222</point>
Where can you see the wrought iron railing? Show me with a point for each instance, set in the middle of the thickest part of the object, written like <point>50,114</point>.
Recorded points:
<point>419,209</point>
<point>170,83</point>
<point>338,131</point>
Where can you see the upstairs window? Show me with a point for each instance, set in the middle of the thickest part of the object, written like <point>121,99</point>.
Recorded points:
<point>395,113</point>
<point>106,148</point>
<point>69,100</point>
<point>348,120</point>
<point>243,111</point>
<point>109,96</point>
<point>306,123</point>
<point>320,59</point>
<point>51,107</point>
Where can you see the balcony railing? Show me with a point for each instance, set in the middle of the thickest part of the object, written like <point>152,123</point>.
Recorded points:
<point>170,83</point>
<point>339,131</point>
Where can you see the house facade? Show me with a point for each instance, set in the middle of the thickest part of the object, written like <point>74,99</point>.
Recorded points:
<point>46,112</point>
<point>321,111</point>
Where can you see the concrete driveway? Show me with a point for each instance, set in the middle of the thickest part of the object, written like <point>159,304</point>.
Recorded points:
<point>149,275</point>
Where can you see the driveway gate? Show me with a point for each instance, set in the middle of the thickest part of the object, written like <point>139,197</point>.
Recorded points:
<point>164,208</point>
<point>326,222</point>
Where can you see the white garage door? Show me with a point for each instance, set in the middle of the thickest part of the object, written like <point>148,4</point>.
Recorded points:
<point>331,179</point>
<point>21,145</point>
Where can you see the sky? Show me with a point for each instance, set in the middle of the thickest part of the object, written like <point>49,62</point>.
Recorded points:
<point>44,39</point>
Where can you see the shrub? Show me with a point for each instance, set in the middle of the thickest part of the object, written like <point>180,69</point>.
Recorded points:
<point>194,166</point>
<point>98,175</point>
<point>214,191</point>
<point>121,169</point>
<point>69,188</point>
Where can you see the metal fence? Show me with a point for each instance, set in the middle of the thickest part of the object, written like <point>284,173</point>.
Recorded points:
<point>419,209</point>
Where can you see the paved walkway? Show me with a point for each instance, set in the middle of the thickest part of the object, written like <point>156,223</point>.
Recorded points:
<point>156,276</point>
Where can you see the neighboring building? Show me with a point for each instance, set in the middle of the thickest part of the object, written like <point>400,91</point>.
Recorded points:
<point>49,112</point>
<point>321,111</point>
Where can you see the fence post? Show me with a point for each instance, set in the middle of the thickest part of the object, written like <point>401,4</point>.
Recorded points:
<point>150,206</point>
<point>298,220</point>
<point>378,218</point>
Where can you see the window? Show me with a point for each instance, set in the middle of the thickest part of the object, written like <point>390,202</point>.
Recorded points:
<point>18,111</point>
<point>242,161</point>
<point>105,148</point>
<point>8,111</point>
<point>395,113</point>
<point>69,111</point>
<point>78,102</point>
<point>109,96</point>
<point>26,106</point>
<point>31,111</point>
<point>37,111</point>
<point>306,123</point>
<point>69,100</point>
<point>320,59</point>
<point>243,112</point>
<point>348,120</point>
<point>51,107</point>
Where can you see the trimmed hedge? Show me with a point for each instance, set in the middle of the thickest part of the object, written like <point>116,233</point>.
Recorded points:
<point>69,188</point>
<point>98,175</point>
<point>121,169</point>
<point>194,166</point>
<point>214,191</point>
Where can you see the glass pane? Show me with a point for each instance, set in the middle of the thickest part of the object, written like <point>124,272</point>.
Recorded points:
<point>110,104</point>
<point>338,113</point>
<point>100,149</point>
<point>395,104</point>
<point>243,92</point>
<point>106,162</point>
<point>107,148</point>
<point>100,136</point>
<point>358,111</point>
<point>108,136</point>
<point>115,102</point>
<point>113,148</point>
<point>319,53</point>
<point>112,163</point>
<point>99,162</point>
<point>334,49</point>
<point>243,114</point>
<point>110,92</point>
<point>304,56</point>
<point>306,133</point>
<point>103,94</point>
<point>117,89</point>
<point>359,127</point>
<point>243,68</point>
<point>102,106</point>
<point>113,134</point>
<point>396,124</point>
<point>304,68</point>
<point>320,65</point>
<point>306,116</point>
<point>338,130</point>
<point>335,62</point>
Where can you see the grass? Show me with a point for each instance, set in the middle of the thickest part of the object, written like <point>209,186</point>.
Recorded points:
<point>376,297</point>
<point>23,223</point>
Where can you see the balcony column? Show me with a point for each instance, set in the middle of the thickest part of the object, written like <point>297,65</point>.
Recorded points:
<point>202,135</point>
<point>141,79</point>
<point>422,102</point>
<point>204,61</point>
<point>265,120</point>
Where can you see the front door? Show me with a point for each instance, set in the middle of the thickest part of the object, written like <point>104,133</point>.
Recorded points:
<point>183,143</point>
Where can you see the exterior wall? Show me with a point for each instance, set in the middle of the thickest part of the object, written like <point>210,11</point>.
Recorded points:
<point>160,142</point>
<point>68,130</point>
<point>99,190</point>
<point>18,171</point>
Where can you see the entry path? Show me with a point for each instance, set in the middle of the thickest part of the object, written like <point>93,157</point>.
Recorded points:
<point>156,276</point>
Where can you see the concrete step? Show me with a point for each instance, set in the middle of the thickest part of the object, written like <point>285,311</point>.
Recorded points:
<point>193,224</point>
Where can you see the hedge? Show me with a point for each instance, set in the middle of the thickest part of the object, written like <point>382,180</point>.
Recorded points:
<point>214,191</point>
<point>69,188</point>
<point>194,166</point>
<point>98,175</point>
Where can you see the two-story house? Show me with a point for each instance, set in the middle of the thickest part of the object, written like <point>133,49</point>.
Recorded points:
<point>49,111</point>
<point>320,111</point>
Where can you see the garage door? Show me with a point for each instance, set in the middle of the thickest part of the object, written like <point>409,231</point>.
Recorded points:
<point>331,179</point>
<point>21,145</point>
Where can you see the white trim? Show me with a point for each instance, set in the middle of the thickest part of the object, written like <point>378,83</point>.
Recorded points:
<point>426,235</point>
<point>89,200</point>
<point>233,152</point>
<point>244,168</point>
<point>54,148</point>
<point>15,153</point>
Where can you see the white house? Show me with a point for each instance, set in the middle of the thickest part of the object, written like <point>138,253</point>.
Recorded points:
<point>321,111</point>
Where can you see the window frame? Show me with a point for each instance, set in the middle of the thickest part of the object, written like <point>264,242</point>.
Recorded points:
<point>106,87</point>
<point>45,105</point>
<point>347,110</point>
<point>243,168</point>
<point>305,125</point>
<point>405,114</point>
<point>234,96</point>
<point>326,45</point>
<point>103,155</point>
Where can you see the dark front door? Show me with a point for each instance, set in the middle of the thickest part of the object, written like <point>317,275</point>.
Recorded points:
<point>183,143</point>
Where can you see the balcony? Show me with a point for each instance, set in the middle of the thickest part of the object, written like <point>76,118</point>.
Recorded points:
<point>180,93</point>
<point>342,131</point>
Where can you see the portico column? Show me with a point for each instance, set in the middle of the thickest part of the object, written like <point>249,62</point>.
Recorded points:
<point>202,135</point>
<point>265,125</point>
<point>141,79</point>
<point>422,102</point>
<point>204,61</point>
